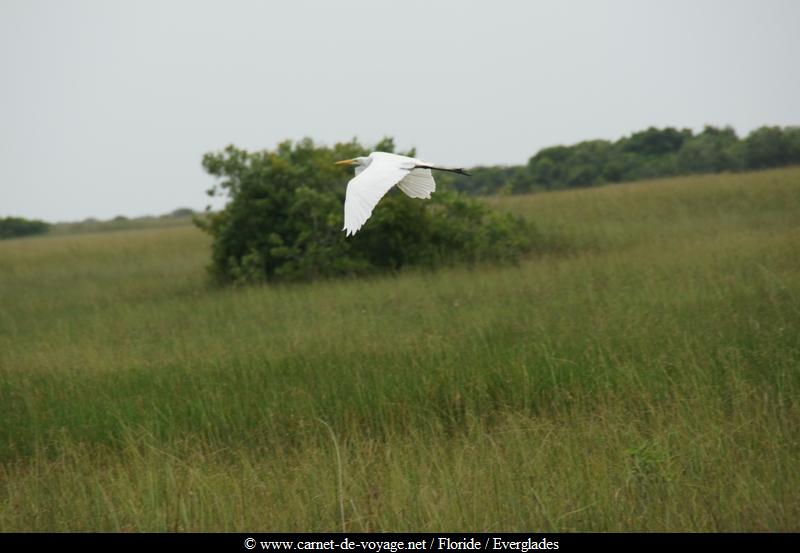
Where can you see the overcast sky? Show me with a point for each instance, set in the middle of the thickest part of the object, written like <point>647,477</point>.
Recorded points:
<point>106,107</point>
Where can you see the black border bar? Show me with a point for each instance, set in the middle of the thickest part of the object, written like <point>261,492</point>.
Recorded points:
<point>391,542</point>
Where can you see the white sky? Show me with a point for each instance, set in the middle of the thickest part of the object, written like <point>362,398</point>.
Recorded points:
<point>106,107</point>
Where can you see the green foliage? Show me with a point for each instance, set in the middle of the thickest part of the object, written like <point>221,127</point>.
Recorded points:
<point>772,147</point>
<point>285,215</point>
<point>180,212</point>
<point>654,142</point>
<point>647,154</point>
<point>15,227</point>
<point>712,151</point>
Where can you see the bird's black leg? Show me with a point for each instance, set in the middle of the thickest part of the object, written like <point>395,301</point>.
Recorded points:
<point>458,170</point>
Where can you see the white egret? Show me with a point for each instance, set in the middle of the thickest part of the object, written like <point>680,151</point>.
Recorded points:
<point>376,175</point>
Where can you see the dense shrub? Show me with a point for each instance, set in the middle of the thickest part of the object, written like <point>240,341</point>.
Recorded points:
<point>283,220</point>
<point>14,227</point>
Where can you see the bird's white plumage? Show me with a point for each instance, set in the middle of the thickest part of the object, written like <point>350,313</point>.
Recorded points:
<point>418,183</point>
<point>370,184</point>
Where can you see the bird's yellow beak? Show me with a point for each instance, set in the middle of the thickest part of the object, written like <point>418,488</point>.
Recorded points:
<point>345,162</point>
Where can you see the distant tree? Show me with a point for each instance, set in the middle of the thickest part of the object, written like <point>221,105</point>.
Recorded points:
<point>284,220</point>
<point>15,227</point>
<point>769,147</point>
<point>542,173</point>
<point>547,168</point>
<point>793,136</point>
<point>182,212</point>
<point>654,142</point>
<point>587,162</point>
<point>711,151</point>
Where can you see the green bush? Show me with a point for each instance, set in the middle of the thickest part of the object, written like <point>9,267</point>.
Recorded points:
<point>15,227</point>
<point>283,220</point>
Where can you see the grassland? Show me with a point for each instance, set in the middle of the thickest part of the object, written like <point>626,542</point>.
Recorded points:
<point>639,372</point>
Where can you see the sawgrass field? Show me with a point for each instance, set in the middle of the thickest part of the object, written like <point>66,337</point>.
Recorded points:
<point>638,371</point>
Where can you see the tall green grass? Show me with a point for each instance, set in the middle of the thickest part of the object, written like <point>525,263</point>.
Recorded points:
<point>639,372</point>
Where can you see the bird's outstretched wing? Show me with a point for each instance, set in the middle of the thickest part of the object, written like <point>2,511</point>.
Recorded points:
<point>365,190</point>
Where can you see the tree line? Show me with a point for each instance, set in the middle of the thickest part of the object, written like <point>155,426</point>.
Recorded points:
<point>646,154</point>
<point>14,227</point>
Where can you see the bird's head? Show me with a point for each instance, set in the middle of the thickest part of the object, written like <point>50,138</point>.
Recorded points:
<point>362,161</point>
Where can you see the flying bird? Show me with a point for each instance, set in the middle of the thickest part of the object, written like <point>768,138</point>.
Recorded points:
<point>376,175</point>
